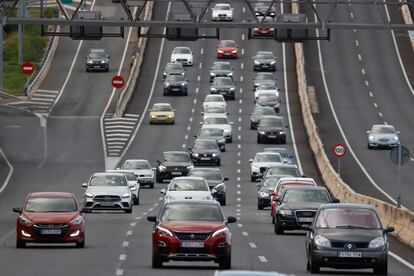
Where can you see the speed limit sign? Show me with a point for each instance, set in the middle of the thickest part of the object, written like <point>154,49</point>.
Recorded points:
<point>339,150</point>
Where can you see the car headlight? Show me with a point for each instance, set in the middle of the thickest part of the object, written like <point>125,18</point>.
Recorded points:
<point>167,84</point>
<point>377,242</point>
<point>230,74</point>
<point>232,89</point>
<point>396,138</point>
<point>162,168</point>
<point>282,132</point>
<point>88,195</point>
<point>126,195</point>
<point>256,62</point>
<point>183,84</point>
<point>262,132</point>
<point>153,116</point>
<point>164,231</point>
<point>170,116</point>
<point>89,62</point>
<point>195,154</point>
<point>264,194</point>
<point>190,167</point>
<point>285,212</point>
<point>212,74</point>
<point>76,221</point>
<point>273,62</point>
<point>223,231</point>
<point>133,188</point>
<point>25,221</point>
<point>373,138</point>
<point>214,154</point>
<point>104,61</point>
<point>255,168</point>
<point>322,241</point>
<point>212,89</point>
<point>234,51</point>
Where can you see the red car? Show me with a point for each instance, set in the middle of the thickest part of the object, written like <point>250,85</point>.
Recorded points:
<point>283,182</point>
<point>191,231</point>
<point>227,49</point>
<point>264,32</point>
<point>50,218</point>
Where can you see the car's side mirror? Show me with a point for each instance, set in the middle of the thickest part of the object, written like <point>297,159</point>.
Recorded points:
<point>231,219</point>
<point>152,218</point>
<point>306,227</point>
<point>286,126</point>
<point>389,229</point>
<point>157,161</point>
<point>190,149</point>
<point>163,191</point>
<point>213,191</point>
<point>398,132</point>
<point>290,156</point>
<point>108,56</point>
<point>251,160</point>
<point>226,179</point>
<point>195,136</point>
<point>17,210</point>
<point>201,123</point>
<point>85,185</point>
<point>202,113</point>
<point>231,123</point>
<point>131,185</point>
<point>335,200</point>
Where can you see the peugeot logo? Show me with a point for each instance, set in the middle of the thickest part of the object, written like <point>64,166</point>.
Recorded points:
<point>192,236</point>
<point>349,246</point>
<point>107,198</point>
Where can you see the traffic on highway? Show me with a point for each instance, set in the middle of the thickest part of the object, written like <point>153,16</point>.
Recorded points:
<point>209,167</point>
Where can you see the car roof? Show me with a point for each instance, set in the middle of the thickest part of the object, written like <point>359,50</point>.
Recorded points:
<point>290,178</point>
<point>278,149</point>
<point>167,104</point>
<point>193,201</point>
<point>188,177</point>
<point>284,165</point>
<point>181,47</point>
<point>221,62</point>
<point>217,78</point>
<point>214,96</point>
<point>97,50</point>
<point>136,160</point>
<point>347,206</point>
<point>108,173</point>
<point>120,171</point>
<point>216,115</point>
<point>267,153</point>
<point>222,4</point>
<point>205,140</point>
<point>175,151</point>
<point>272,117</point>
<point>51,194</point>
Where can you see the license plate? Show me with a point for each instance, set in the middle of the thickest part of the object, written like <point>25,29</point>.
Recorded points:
<point>205,158</point>
<point>192,244</point>
<point>176,173</point>
<point>222,92</point>
<point>346,254</point>
<point>305,219</point>
<point>176,89</point>
<point>97,66</point>
<point>107,204</point>
<point>265,65</point>
<point>51,231</point>
<point>272,136</point>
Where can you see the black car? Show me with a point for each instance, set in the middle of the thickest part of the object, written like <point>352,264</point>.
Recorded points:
<point>215,181</point>
<point>347,236</point>
<point>264,61</point>
<point>269,100</point>
<point>205,151</point>
<point>224,86</point>
<point>271,129</point>
<point>175,84</point>
<point>298,205</point>
<point>173,69</point>
<point>261,9</point>
<point>172,164</point>
<point>258,113</point>
<point>97,60</point>
<point>264,77</point>
<point>215,134</point>
<point>221,69</point>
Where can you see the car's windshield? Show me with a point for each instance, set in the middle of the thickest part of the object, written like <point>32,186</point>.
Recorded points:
<point>211,132</point>
<point>271,182</point>
<point>303,195</point>
<point>215,109</point>
<point>176,157</point>
<point>218,121</point>
<point>51,204</point>
<point>262,5</point>
<point>130,176</point>
<point>179,50</point>
<point>227,43</point>
<point>214,99</point>
<point>222,66</point>
<point>265,56</point>
<point>283,170</point>
<point>222,7</point>
<point>174,66</point>
<point>264,77</point>
<point>282,152</point>
<point>207,174</point>
<point>188,185</point>
<point>175,78</point>
<point>191,212</point>
<point>264,111</point>
<point>268,158</point>
<point>136,165</point>
<point>205,145</point>
<point>383,130</point>
<point>223,81</point>
<point>271,122</point>
<point>161,107</point>
<point>108,180</point>
<point>347,218</point>
<point>267,98</point>
<point>266,86</point>
<point>97,55</point>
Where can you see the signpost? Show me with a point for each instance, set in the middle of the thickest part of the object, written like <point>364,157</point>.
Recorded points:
<point>399,156</point>
<point>339,150</point>
<point>118,82</point>
<point>27,68</point>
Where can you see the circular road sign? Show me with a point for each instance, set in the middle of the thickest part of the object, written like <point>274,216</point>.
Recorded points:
<point>405,155</point>
<point>118,82</point>
<point>27,68</point>
<point>339,150</point>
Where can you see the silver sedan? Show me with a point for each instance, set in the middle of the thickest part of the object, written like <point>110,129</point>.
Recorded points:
<point>382,136</point>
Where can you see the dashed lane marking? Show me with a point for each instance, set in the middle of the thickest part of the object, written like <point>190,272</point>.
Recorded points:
<point>370,94</point>
<point>119,272</point>
<point>252,245</point>
<point>363,71</point>
<point>129,233</point>
<point>380,114</point>
<point>244,233</point>
<point>133,224</point>
<point>122,257</point>
<point>243,36</point>
<point>198,78</point>
<point>359,57</point>
<point>241,78</point>
<point>125,244</point>
<point>201,50</point>
<point>240,225</point>
<point>366,83</point>
<point>242,51</point>
<point>242,65</point>
<point>351,14</point>
<point>263,259</point>
<point>375,104</point>
<point>357,43</point>
<point>238,199</point>
<point>200,65</point>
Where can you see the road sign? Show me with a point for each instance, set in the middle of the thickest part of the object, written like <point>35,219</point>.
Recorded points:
<point>405,156</point>
<point>118,82</point>
<point>27,68</point>
<point>339,150</point>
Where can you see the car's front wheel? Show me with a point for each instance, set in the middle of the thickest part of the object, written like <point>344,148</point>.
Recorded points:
<point>128,211</point>
<point>314,267</point>
<point>156,260</point>
<point>225,263</point>
<point>80,244</point>
<point>136,201</point>
<point>260,206</point>
<point>159,179</point>
<point>381,269</point>
<point>278,227</point>
<point>151,186</point>
<point>20,244</point>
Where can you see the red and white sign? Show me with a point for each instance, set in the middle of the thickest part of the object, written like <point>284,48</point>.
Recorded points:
<point>27,68</point>
<point>339,150</point>
<point>118,82</point>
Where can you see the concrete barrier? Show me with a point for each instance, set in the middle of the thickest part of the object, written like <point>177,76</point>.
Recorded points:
<point>127,92</point>
<point>401,219</point>
<point>408,20</point>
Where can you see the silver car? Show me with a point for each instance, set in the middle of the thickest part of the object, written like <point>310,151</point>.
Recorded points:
<point>382,136</point>
<point>187,187</point>
<point>142,170</point>
<point>261,162</point>
<point>108,191</point>
<point>286,155</point>
<point>132,183</point>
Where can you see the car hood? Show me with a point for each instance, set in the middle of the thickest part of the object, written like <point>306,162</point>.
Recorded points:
<point>193,195</point>
<point>175,81</point>
<point>107,190</point>
<point>214,104</point>
<point>301,205</point>
<point>215,11</point>
<point>351,235</point>
<point>50,217</point>
<point>202,151</point>
<point>257,82</point>
<point>267,103</point>
<point>271,128</point>
<point>174,71</point>
<point>223,127</point>
<point>177,164</point>
<point>192,226</point>
<point>166,113</point>
<point>143,172</point>
<point>227,48</point>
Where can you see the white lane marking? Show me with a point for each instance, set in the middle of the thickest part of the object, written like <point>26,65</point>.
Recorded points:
<point>238,199</point>
<point>401,260</point>
<point>11,169</point>
<point>201,50</point>
<point>191,119</point>
<point>241,78</point>
<point>238,192</point>
<point>238,205</point>
<point>238,186</point>
<point>328,95</point>
<point>240,110</point>
<point>241,90</point>
<point>238,154</point>
<point>354,30</point>
<point>351,15</point>
<point>244,233</point>
<point>241,65</point>
<point>125,244</point>
<point>238,161</point>
<point>238,179</point>
<point>186,137</point>
<point>238,171</point>
<point>263,259</point>
<point>366,83</point>
<point>195,101</point>
<point>359,57</point>
<point>239,225</point>
<point>239,137</point>
<point>129,233</point>
<point>375,104</point>
<point>380,114</point>
<point>363,71</point>
<point>193,110</point>
<point>137,218</point>
<point>244,9</point>
<point>239,146</point>
<point>242,52</point>
<point>370,94</point>
<point>156,204</point>
<point>122,257</point>
<point>252,245</point>
<point>154,81</point>
<point>240,101</point>
<point>198,78</point>
<point>133,224</point>
<point>240,119</point>
<point>188,128</point>
<point>183,146</point>
<point>48,91</point>
<point>145,213</point>
<point>160,198</point>
<point>119,272</point>
<point>151,209</point>
<point>243,37</point>
<point>238,210</point>
<point>357,43</point>
<point>196,90</point>
<point>200,65</point>
<point>412,159</point>
<point>239,128</point>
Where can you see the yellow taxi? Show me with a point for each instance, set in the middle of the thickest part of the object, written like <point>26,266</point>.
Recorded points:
<point>162,113</point>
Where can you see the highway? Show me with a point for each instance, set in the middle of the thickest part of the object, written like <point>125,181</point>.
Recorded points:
<point>120,244</point>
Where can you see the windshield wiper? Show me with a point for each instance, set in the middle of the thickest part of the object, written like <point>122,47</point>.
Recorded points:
<point>352,227</point>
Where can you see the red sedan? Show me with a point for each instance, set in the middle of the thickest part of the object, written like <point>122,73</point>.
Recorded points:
<point>257,32</point>
<point>50,218</point>
<point>227,49</point>
<point>191,231</point>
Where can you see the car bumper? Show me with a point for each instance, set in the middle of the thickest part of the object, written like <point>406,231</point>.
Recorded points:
<point>162,120</point>
<point>226,55</point>
<point>183,62</point>
<point>176,90</point>
<point>206,160</point>
<point>64,237</point>
<point>97,67</point>
<point>290,223</point>
<point>124,204</point>
<point>329,258</point>
<point>382,145</point>
<point>264,68</point>
<point>265,202</point>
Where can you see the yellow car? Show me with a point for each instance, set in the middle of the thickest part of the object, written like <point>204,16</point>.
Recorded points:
<point>162,113</point>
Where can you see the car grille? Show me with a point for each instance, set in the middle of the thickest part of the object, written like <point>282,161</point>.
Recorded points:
<point>161,116</point>
<point>383,140</point>
<point>144,175</point>
<point>176,169</point>
<point>271,133</point>
<point>341,244</point>
<point>37,229</point>
<point>181,60</point>
<point>106,198</point>
<point>192,236</point>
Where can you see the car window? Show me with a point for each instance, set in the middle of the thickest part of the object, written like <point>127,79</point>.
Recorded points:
<point>136,165</point>
<point>222,7</point>
<point>175,78</point>
<point>219,121</point>
<point>303,195</point>
<point>264,56</point>
<point>282,152</point>
<point>163,107</point>
<point>51,204</point>
<point>266,86</point>
<point>347,218</point>
<point>214,99</point>
<point>222,66</point>
<point>264,111</point>
<point>108,180</point>
<point>271,122</point>
<point>267,158</point>
<point>215,109</point>
<point>383,130</point>
<point>211,132</point>
<point>227,44</point>
<point>176,157</point>
<point>181,51</point>
<point>223,81</point>
<point>188,185</point>
<point>191,212</point>
<point>207,174</point>
<point>264,77</point>
<point>97,55</point>
<point>205,146</point>
<point>283,171</point>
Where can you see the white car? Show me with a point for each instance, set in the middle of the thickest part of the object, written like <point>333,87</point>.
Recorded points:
<point>382,136</point>
<point>214,110</point>
<point>132,183</point>
<point>262,161</point>
<point>182,55</point>
<point>220,121</point>
<point>222,12</point>
<point>142,170</point>
<point>214,100</point>
<point>187,187</point>
<point>266,88</point>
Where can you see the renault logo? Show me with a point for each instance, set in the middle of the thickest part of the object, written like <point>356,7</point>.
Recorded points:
<point>349,246</point>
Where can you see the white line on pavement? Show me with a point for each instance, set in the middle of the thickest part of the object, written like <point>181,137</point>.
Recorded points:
<point>125,244</point>
<point>263,259</point>
<point>129,233</point>
<point>239,225</point>
<point>252,245</point>
<point>244,233</point>
<point>366,83</point>
<point>119,272</point>
<point>122,257</point>
<point>401,260</point>
<point>357,43</point>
